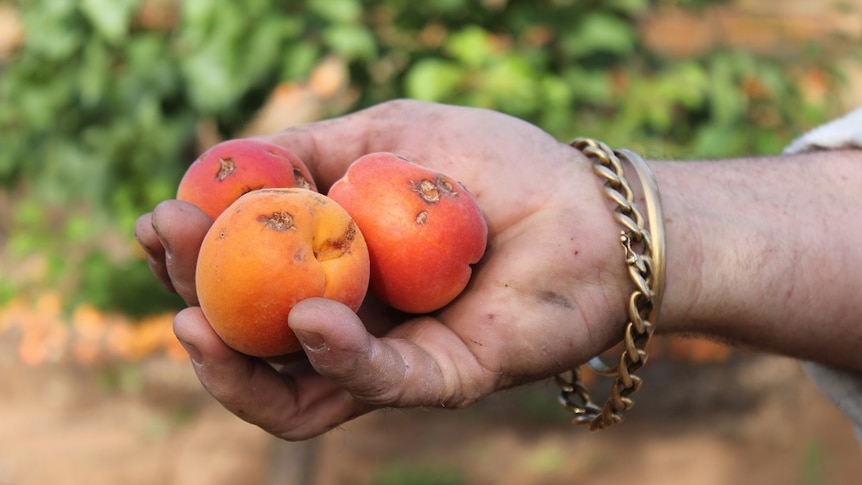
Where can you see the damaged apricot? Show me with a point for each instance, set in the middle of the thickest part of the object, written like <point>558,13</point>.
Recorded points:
<point>235,167</point>
<point>266,252</point>
<point>424,230</point>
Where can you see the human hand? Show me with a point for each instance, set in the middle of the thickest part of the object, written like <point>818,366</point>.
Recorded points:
<point>550,292</point>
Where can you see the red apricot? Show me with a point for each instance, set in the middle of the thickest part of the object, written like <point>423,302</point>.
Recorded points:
<point>234,167</point>
<point>424,230</point>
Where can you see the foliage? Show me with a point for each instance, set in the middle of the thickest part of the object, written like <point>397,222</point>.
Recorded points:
<point>100,105</point>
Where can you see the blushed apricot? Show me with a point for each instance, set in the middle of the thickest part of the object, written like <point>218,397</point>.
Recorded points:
<point>234,167</point>
<point>423,230</point>
<point>266,252</point>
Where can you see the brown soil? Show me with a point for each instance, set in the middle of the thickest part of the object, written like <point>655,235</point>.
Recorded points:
<point>749,420</point>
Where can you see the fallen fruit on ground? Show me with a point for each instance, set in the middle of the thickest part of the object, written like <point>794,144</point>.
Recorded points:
<point>269,250</point>
<point>235,167</point>
<point>423,230</point>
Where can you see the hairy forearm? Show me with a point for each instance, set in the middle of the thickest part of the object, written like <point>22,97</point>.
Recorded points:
<point>767,253</point>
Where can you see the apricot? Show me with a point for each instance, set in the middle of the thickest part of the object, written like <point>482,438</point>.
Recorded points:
<point>234,167</point>
<point>424,230</point>
<point>266,252</point>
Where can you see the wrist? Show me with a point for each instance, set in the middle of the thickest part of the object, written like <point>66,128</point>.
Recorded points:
<point>685,252</point>
<point>642,238</point>
<point>761,253</point>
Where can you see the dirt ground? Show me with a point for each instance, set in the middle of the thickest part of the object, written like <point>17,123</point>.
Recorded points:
<point>748,420</point>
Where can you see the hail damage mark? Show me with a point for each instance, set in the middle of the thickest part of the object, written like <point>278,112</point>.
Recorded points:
<point>422,218</point>
<point>431,191</point>
<point>278,221</point>
<point>300,180</point>
<point>333,248</point>
<point>226,168</point>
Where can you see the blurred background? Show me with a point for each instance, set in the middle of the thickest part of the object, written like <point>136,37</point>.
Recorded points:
<point>104,103</point>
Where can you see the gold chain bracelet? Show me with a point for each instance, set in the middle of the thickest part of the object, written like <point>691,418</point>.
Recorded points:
<point>644,251</point>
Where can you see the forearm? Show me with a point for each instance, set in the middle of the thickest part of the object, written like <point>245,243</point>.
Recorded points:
<point>767,253</point>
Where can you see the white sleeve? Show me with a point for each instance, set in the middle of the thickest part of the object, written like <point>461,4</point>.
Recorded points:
<point>844,132</point>
<point>842,387</point>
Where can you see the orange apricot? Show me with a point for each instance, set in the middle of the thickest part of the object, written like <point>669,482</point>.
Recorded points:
<point>269,250</point>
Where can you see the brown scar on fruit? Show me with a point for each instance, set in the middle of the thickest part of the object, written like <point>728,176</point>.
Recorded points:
<point>432,190</point>
<point>428,191</point>
<point>445,186</point>
<point>278,221</point>
<point>300,180</point>
<point>422,218</point>
<point>335,248</point>
<point>226,167</point>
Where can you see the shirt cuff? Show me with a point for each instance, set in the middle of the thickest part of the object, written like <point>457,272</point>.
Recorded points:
<point>844,132</point>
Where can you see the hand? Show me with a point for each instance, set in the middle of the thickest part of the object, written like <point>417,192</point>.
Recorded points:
<point>550,292</point>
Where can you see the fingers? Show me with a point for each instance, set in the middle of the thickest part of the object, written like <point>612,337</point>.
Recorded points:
<point>355,372</point>
<point>153,248</point>
<point>420,363</point>
<point>175,235</point>
<point>338,345</point>
<point>292,406</point>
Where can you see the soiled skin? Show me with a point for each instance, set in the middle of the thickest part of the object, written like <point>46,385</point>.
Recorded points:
<point>762,253</point>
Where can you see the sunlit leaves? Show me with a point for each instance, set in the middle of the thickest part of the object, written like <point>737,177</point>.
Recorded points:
<point>60,33</point>
<point>472,46</point>
<point>600,33</point>
<point>110,18</point>
<point>352,41</point>
<point>336,11</point>
<point>433,80</point>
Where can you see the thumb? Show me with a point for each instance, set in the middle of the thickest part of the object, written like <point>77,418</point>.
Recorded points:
<point>339,347</point>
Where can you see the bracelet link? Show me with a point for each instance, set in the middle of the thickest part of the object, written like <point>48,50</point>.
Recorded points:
<point>644,255</point>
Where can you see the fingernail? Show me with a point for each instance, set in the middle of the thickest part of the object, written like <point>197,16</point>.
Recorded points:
<point>313,342</point>
<point>162,239</point>
<point>193,351</point>
<point>147,250</point>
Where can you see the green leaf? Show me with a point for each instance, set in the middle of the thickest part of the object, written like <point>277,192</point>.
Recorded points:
<point>715,141</point>
<point>60,31</point>
<point>196,13</point>
<point>631,7</point>
<point>210,82</point>
<point>727,102</point>
<point>512,82</point>
<point>351,41</point>
<point>94,73</point>
<point>686,84</point>
<point>40,103</point>
<point>601,33</point>
<point>78,228</point>
<point>472,46</point>
<point>433,80</point>
<point>298,59</point>
<point>590,86</point>
<point>111,18</point>
<point>339,11</point>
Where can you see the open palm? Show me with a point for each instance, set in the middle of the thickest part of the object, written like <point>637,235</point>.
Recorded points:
<point>549,293</point>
